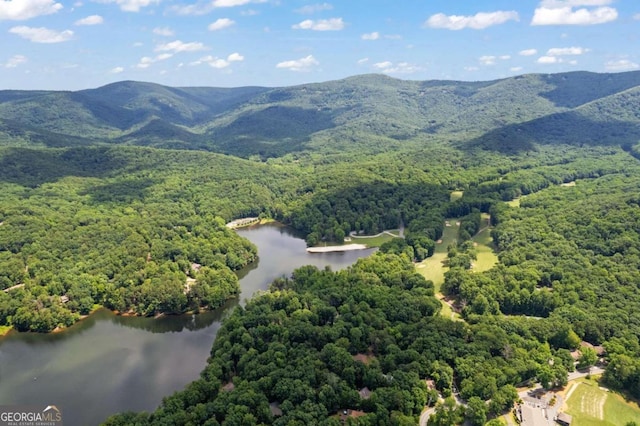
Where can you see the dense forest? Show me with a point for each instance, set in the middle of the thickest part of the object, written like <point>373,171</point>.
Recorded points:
<point>316,341</point>
<point>118,197</point>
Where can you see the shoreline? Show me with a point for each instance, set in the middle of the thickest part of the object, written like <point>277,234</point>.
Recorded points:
<point>247,222</point>
<point>329,249</point>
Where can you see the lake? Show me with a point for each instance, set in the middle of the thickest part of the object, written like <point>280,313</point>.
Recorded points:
<point>107,364</point>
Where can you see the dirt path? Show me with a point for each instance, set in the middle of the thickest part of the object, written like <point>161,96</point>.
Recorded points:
<point>572,387</point>
<point>6,290</point>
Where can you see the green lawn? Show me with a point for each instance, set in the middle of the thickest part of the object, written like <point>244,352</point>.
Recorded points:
<point>590,405</point>
<point>485,248</point>
<point>456,195</point>
<point>373,241</point>
<point>433,268</point>
<point>514,203</point>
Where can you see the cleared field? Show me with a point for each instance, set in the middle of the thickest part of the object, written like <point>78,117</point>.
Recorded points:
<point>375,241</point>
<point>485,248</point>
<point>591,405</point>
<point>433,268</point>
<point>514,203</point>
<point>456,195</point>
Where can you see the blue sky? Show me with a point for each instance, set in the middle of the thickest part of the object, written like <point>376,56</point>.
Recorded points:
<point>70,45</point>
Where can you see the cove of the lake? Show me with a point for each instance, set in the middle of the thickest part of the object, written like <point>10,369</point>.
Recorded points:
<point>107,364</point>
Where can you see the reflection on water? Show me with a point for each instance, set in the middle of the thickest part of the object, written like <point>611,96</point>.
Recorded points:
<point>108,363</point>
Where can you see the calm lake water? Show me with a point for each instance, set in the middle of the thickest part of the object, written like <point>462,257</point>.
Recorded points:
<point>107,364</point>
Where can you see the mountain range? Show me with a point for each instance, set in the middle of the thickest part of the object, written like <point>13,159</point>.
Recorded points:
<point>507,115</point>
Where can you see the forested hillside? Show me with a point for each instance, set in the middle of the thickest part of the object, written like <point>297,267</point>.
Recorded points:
<point>505,115</point>
<point>118,197</point>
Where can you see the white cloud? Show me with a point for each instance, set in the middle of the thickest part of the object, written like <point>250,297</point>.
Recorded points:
<point>563,13</point>
<point>302,64</point>
<point>249,12</point>
<point>471,69</point>
<point>621,65</point>
<point>563,51</point>
<point>131,5</point>
<point>574,3</point>
<point>163,31</point>
<point>371,36</point>
<point>145,62</point>
<point>219,63</point>
<point>515,69</point>
<point>478,21</point>
<point>235,57</point>
<point>116,70</point>
<point>231,3</point>
<point>19,10</point>
<point>388,67</point>
<point>383,65</point>
<point>528,52</point>
<point>15,60</point>
<point>214,62</point>
<point>362,61</point>
<point>90,20</point>
<point>203,7</point>
<point>491,59</point>
<point>195,9</point>
<point>636,16</point>
<point>549,60</point>
<point>314,8</point>
<point>42,35</point>
<point>333,24</point>
<point>179,46</point>
<point>487,60</point>
<point>220,24</point>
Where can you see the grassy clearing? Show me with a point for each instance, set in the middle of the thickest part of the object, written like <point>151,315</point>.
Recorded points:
<point>456,195</point>
<point>514,203</point>
<point>4,329</point>
<point>434,268</point>
<point>447,312</point>
<point>376,241</point>
<point>485,248</point>
<point>591,405</point>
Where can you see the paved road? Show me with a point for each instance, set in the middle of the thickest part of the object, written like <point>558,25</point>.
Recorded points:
<point>424,417</point>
